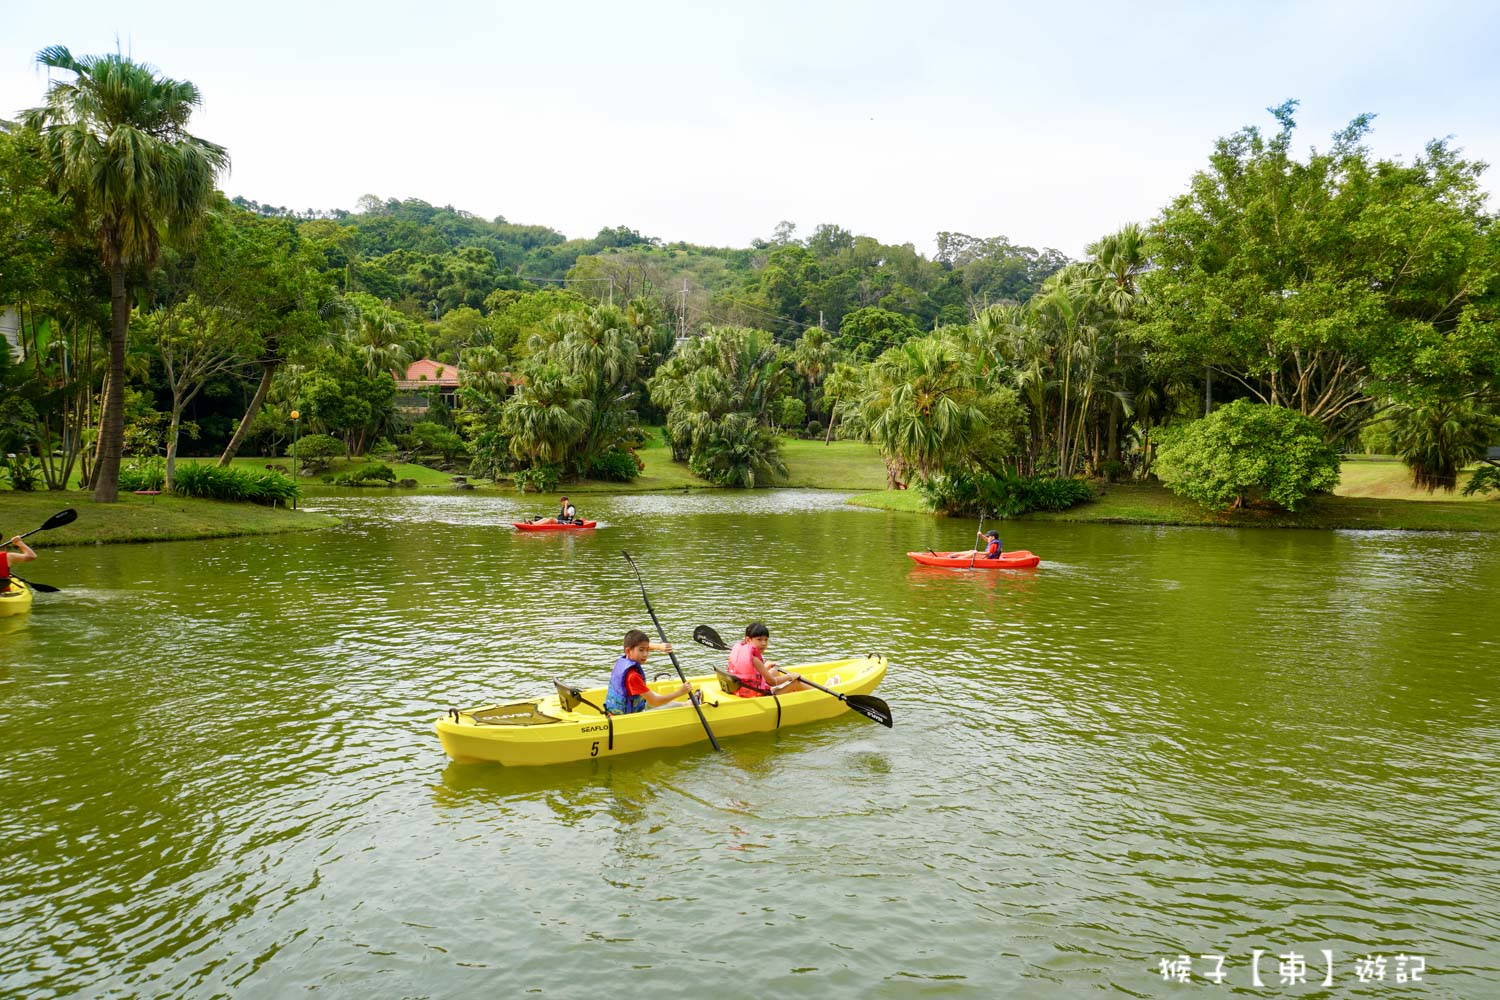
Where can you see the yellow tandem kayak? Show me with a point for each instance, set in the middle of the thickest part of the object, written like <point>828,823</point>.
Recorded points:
<point>15,599</point>
<point>569,725</point>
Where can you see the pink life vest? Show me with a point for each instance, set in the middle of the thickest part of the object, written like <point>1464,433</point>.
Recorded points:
<point>742,669</point>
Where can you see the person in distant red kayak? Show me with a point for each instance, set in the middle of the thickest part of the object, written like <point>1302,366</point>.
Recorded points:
<point>747,664</point>
<point>566,514</point>
<point>992,546</point>
<point>23,554</point>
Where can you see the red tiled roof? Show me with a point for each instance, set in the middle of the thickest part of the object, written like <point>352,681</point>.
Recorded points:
<point>428,374</point>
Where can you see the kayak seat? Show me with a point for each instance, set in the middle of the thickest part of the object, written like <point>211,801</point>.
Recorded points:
<point>728,683</point>
<point>571,698</point>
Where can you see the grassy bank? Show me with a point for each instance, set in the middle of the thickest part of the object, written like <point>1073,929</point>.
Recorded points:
<point>1389,479</point>
<point>145,519</point>
<point>840,465</point>
<point>1141,504</point>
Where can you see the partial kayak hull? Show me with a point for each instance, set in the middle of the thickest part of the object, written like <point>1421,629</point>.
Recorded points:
<point>542,731</point>
<point>528,526</point>
<point>15,599</point>
<point>1019,559</point>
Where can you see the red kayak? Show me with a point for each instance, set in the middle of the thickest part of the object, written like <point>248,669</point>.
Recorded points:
<point>528,526</point>
<point>1019,559</point>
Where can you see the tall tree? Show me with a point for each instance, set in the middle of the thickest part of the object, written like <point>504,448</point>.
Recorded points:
<point>921,405</point>
<point>117,147</point>
<point>1329,283</point>
<point>291,306</point>
<point>719,392</point>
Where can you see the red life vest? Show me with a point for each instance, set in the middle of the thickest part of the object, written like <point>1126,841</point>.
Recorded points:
<point>742,669</point>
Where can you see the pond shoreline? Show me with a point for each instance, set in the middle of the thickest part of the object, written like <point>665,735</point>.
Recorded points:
<point>169,518</point>
<point>1142,504</point>
<point>163,518</point>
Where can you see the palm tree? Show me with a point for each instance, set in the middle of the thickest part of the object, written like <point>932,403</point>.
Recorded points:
<point>1438,438</point>
<point>544,417</point>
<point>719,391</point>
<point>116,146</point>
<point>1119,259</point>
<point>921,408</point>
<point>813,358</point>
<point>379,341</point>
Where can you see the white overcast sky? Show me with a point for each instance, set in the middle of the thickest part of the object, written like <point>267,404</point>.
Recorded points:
<point>710,122</point>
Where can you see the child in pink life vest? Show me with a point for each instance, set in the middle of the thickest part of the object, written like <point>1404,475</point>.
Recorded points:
<point>747,664</point>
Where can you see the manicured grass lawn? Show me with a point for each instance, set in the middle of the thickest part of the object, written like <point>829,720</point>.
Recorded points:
<point>1389,479</point>
<point>145,519</point>
<point>839,465</point>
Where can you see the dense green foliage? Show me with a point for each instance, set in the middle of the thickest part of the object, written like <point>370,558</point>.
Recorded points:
<point>316,451</point>
<point>145,473</point>
<point>1003,495</point>
<point>1323,285</point>
<point>366,474</point>
<point>1249,451</point>
<point>213,482</point>
<point>1351,289</point>
<point>720,393</point>
<point>117,151</point>
<point>1486,479</point>
<point>1438,437</point>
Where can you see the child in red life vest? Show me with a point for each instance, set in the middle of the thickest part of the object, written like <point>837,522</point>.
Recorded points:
<point>992,548</point>
<point>628,691</point>
<point>747,664</point>
<point>24,555</point>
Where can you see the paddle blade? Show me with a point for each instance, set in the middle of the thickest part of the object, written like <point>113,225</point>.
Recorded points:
<point>871,708</point>
<point>57,520</point>
<point>704,635</point>
<point>40,588</point>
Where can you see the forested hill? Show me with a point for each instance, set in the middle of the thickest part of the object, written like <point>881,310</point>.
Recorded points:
<point>427,261</point>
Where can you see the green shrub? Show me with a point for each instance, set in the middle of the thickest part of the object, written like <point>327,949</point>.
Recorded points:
<point>615,467</point>
<point>814,429</point>
<point>366,474</point>
<point>539,478</point>
<point>208,481</point>
<point>24,472</point>
<point>148,473</point>
<point>791,412</point>
<point>1007,495</point>
<point>316,451</point>
<point>1247,451</point>
<point>434,437</point>
<point>1486,478</point>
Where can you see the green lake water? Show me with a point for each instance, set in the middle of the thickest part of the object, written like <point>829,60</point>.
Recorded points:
<point>220,776</point>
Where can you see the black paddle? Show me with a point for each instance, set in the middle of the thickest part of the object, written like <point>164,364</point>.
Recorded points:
<point>57,520</point>
<point>981,535</point>
<point>867,705</point>
<point>663,633</point>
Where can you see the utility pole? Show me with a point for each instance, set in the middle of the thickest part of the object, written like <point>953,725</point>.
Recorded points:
<point>611,289</point>
<point>820,319</point>
<point>682,313</point>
